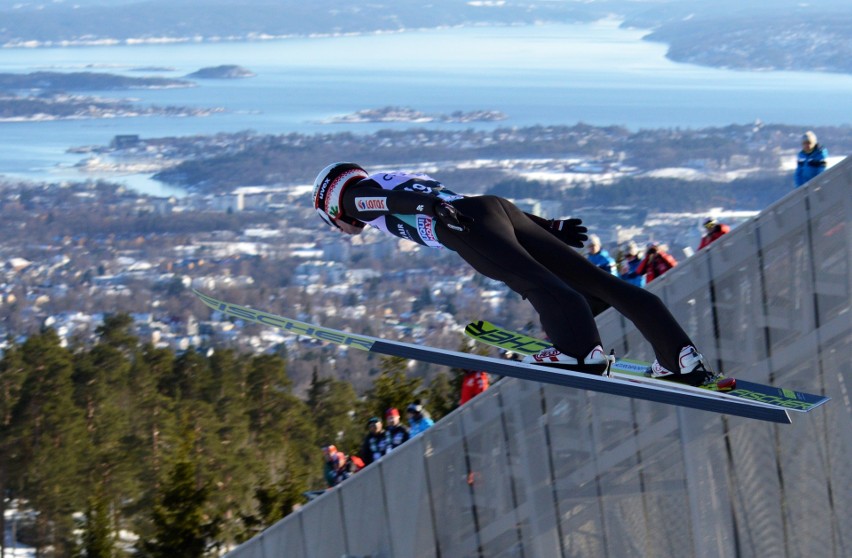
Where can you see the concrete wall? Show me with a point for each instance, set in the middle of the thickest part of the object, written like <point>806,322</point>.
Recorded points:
<point>530,470</point>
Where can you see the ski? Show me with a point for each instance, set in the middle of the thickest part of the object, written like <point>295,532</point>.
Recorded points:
<point>508,340</point>
<point>659,392</point>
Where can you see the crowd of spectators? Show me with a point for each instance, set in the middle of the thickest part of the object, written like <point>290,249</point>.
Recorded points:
<point>384,437</point>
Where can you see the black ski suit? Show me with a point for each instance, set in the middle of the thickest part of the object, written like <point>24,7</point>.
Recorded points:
<point>508,245</point>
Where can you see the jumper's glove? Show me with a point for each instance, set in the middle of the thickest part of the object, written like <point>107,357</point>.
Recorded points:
<point>451,217</point>
<point>569,231</point>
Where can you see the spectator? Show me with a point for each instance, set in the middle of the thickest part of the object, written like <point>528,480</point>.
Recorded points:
<point>599,257</point>
<point>376,443</point>
<point>338,467</point>
<point>473,383</point>
<point>812,159</point>
<point>418,419</point>
<point>656,262</point>
<point>630,264</point>
<point>714,229</point>
<point>398,432</point>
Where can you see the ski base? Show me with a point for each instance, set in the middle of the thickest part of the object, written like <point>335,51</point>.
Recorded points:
<point>650,390</point>
<point>520,343</point>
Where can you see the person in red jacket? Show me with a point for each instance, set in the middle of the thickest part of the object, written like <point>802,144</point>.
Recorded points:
<point>473,383</point>
<point>657,261</point>
<point>714,229</point>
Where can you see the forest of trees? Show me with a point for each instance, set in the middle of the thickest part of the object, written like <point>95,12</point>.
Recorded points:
<point>192,452</point>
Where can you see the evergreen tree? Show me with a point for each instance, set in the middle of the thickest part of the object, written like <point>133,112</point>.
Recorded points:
<point>151,421</point>
<point>190,387</point>
<point>233,461</point>
<point>331,403</point>
<point>266,381</point>
<point>443,395</point>
<point>188,379</point>
<point>282,430</point>
<point>49,435</point>
<point>181,523</point>
<point>115,331</point>
<point>12,376</point>
<point>277,499</point>
<point>392,388</point>
<point>102,392</point>
<point>98,539</point>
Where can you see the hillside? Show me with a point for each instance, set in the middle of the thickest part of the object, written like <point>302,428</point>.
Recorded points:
<point>765,35</point>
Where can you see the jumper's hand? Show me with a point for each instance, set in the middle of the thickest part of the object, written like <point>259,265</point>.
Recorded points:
<point>451,217</point>
<point>569,231</point>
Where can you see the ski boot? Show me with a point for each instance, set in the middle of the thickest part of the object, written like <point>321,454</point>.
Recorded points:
<point>693,372</point>
<point>596,362</point>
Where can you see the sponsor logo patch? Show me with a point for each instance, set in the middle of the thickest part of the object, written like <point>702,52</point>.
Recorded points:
<point>402,232</point>
<point>551,354</point>
<point>424,228</point>
<point>371,204</point>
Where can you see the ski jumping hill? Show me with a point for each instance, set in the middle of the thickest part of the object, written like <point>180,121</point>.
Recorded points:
<point>534,470</point>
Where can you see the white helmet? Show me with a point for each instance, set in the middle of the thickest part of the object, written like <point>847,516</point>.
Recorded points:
<point>328,189</point>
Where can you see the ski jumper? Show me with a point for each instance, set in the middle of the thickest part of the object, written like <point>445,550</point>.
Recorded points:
<point>508,245</point>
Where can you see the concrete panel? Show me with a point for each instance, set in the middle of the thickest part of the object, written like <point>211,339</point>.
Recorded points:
<point>664,484</point>
<point>529,465</point>
<point>365,515</point>
<point>322,525</point>
<point>284,539</point>
<point>785,256</point>
<point>575,472</point>
<point>830,208</point>
<point>618,471</point>
<point>452,498</point>
<point>705,449</point>
<point>490,477</point>
<point>835,442</point>
<point>738,306</point>
<point>253,548</point>
<point>690,302</point>
<point>407,498</point>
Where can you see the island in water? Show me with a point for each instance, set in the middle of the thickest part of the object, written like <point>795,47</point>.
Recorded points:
<point>84,81</point>
<point>225,71</point>
<point>38,96</point>
<point>63,106</point>
<point>406,114</point>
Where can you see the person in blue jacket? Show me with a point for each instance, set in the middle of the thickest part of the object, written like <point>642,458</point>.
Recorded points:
<point>418,419</point>
<point>630,265</point>
<point>812,159</point>
<point>600,257</point>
